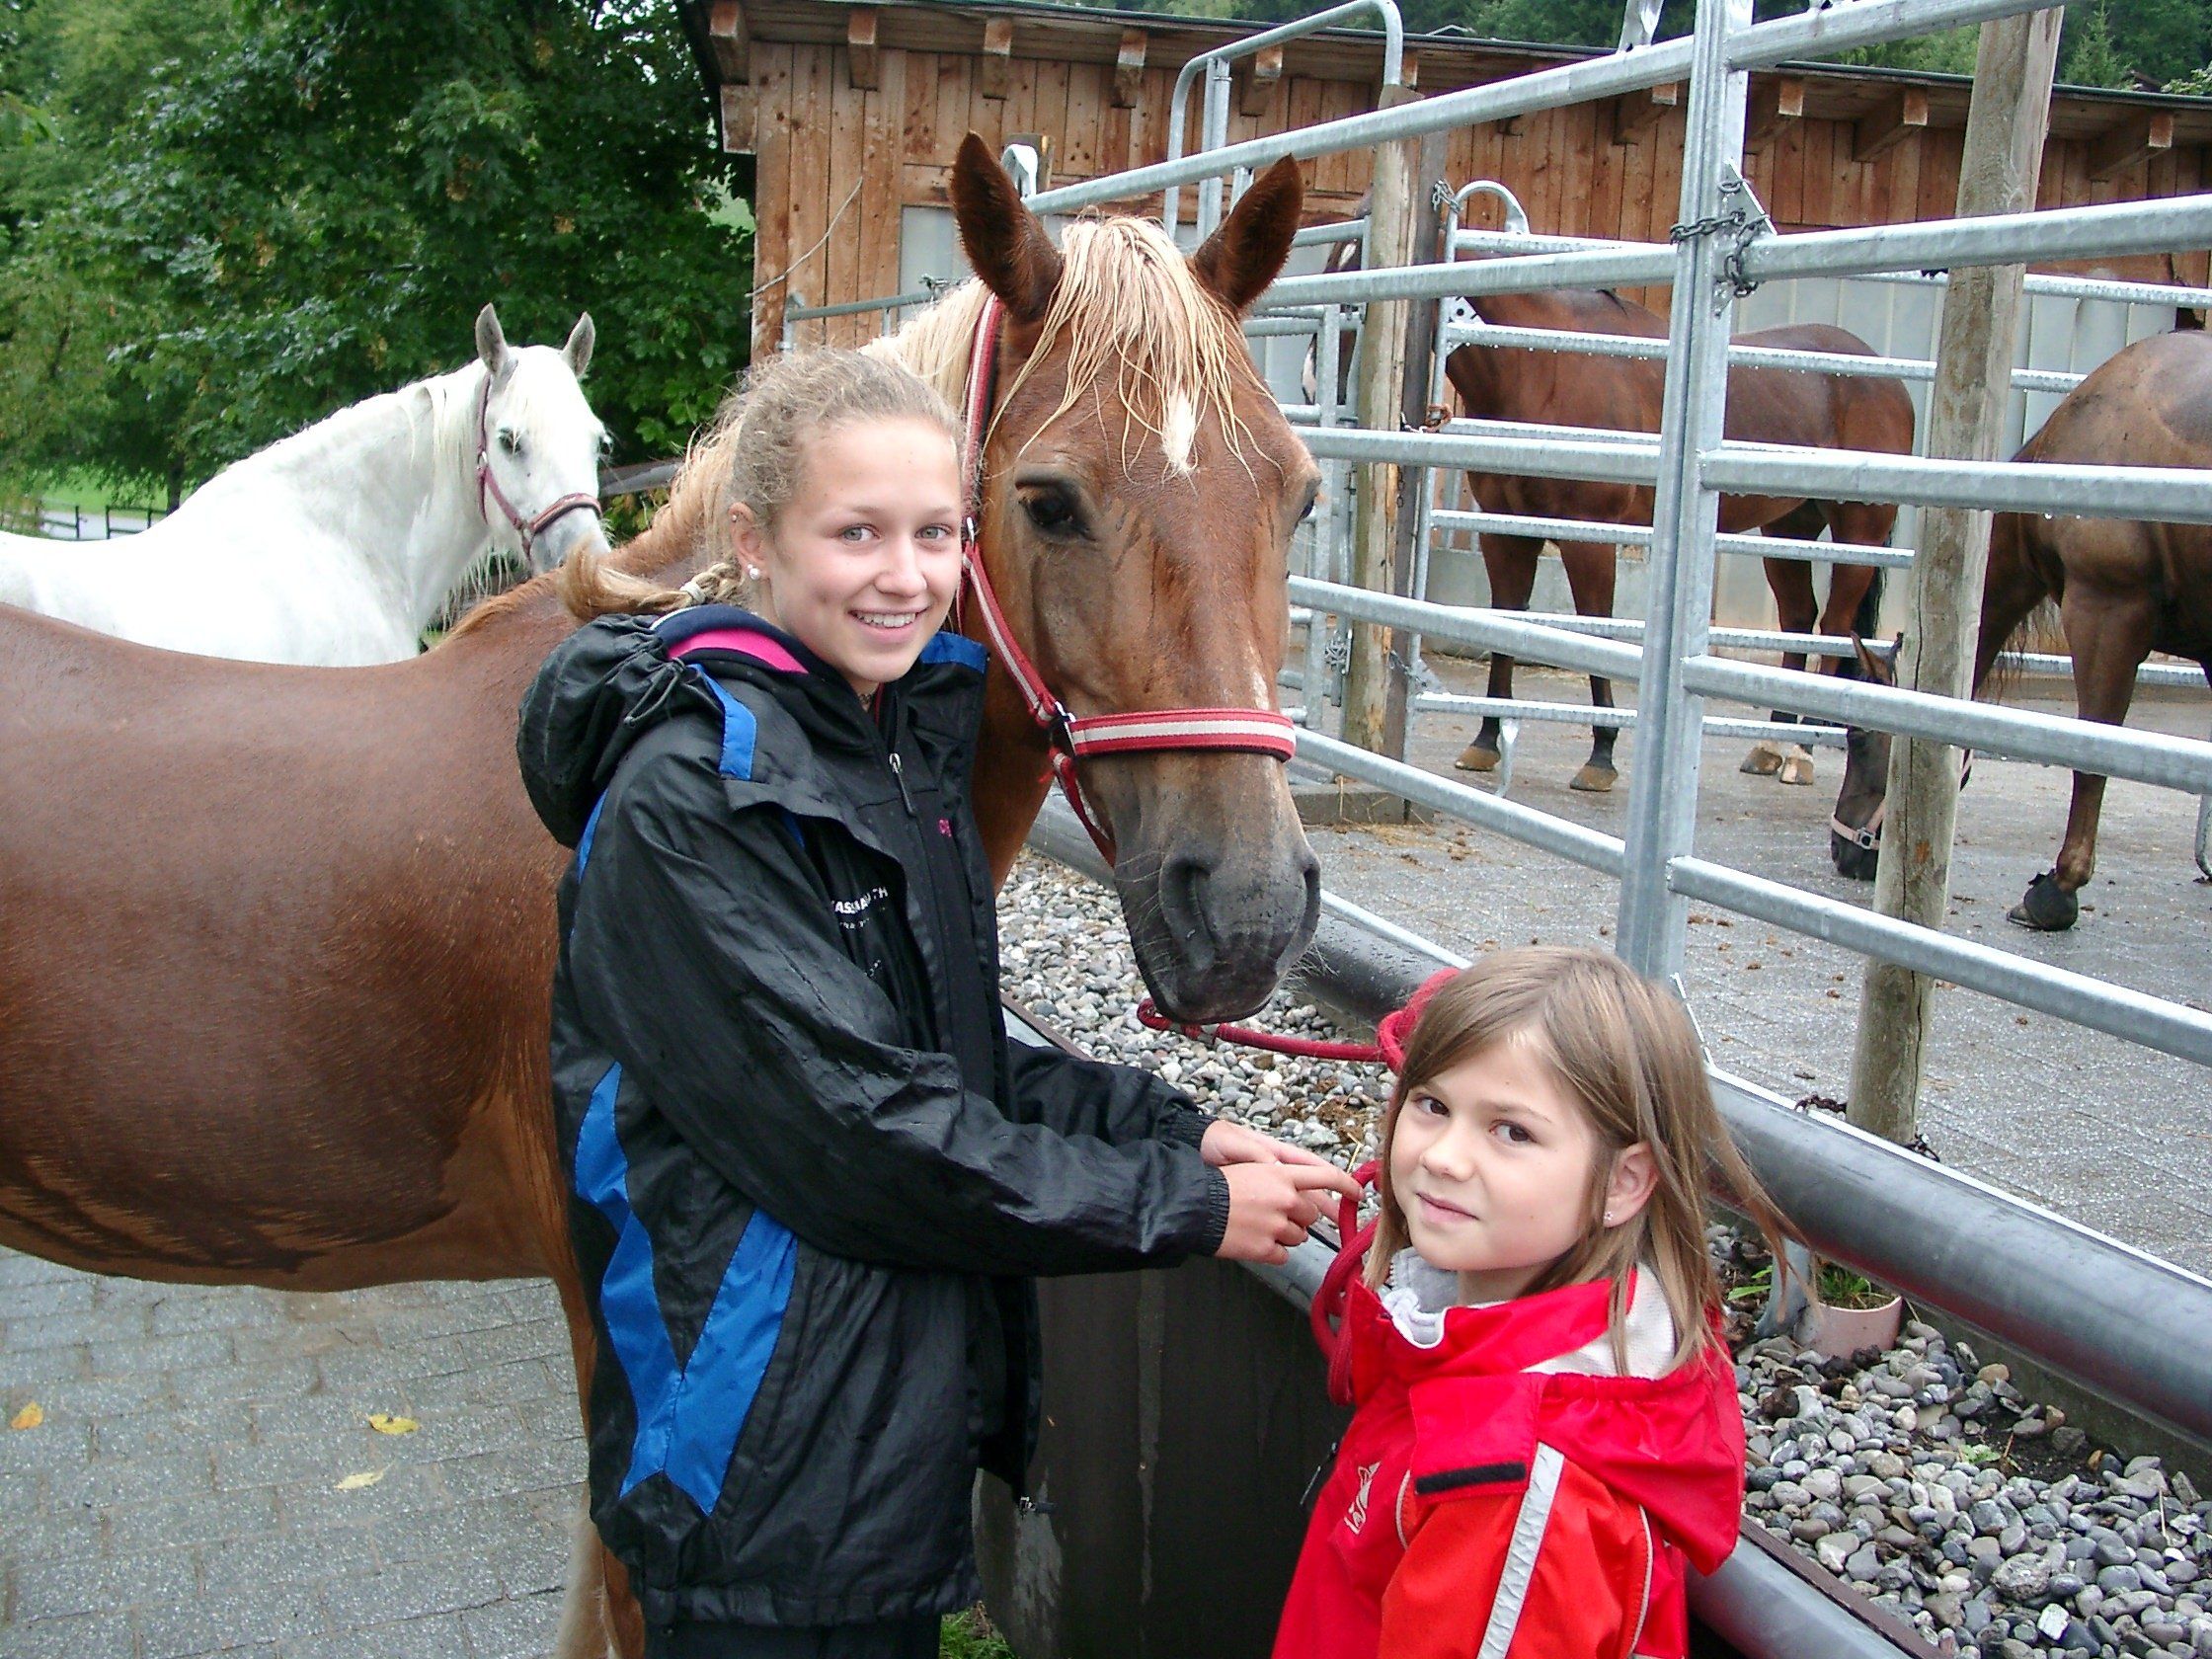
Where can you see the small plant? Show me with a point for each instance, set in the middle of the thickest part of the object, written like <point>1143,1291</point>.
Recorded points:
<point>1980,1454</point>
<point>1841,1288</point>
<point>969,1635</point>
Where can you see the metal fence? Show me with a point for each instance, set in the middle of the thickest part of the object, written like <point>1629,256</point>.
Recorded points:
<point>1725,247</point>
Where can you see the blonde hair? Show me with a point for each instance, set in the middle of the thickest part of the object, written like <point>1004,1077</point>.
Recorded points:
<point>1625,1052</point>
<point>756,454</point>
<point>1144,337</point>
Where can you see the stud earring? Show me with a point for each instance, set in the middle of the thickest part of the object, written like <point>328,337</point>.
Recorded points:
<point>1608,1217</point>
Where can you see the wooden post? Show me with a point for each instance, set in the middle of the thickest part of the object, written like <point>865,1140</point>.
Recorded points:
<point>2006,126</point>
<point>1380,399</point>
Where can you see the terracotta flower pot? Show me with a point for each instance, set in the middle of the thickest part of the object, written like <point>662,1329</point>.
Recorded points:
<point>1837,1333</point>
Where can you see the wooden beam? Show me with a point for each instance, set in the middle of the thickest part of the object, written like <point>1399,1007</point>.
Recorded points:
<point>2006,124</point>
<point>1264,76</point>
<point>994,76</point>
<point>2138,139</point>
<point>1129,68</point>
<point>1775,100</point>
<point>1890,123</point>
<point>728,41</point>
<point>1637,114</point>
<point>738,116</point>
<point>860,44</point>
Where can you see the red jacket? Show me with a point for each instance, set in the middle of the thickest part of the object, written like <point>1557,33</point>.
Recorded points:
<point>1481,1508</point>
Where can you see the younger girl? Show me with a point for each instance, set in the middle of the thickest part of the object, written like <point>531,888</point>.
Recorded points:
<point>809,1178</point>
<point>1546,1422</point>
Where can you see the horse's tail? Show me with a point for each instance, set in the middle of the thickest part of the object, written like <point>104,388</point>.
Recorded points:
<point>1866,621</point>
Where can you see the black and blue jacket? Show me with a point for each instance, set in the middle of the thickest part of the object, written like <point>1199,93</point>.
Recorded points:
<point>809,1176</point>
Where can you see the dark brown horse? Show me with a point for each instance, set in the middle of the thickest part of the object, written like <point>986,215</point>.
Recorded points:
<point>2124,589</point>
<point>1765,406</point>
<point>1624,394</point>
<point>275,943</point>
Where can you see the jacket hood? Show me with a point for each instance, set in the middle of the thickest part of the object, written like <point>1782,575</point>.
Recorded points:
<point>1481,1396</point>
<point>618,678</point>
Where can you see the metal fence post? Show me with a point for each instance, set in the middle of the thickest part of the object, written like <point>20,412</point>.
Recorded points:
<point>1663,787</point>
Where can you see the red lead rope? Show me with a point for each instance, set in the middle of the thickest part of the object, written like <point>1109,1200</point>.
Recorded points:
<point>1077,738</point>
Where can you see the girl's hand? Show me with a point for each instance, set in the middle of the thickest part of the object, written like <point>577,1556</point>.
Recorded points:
<point>1226,1143</point>
<point>1271,1205</point>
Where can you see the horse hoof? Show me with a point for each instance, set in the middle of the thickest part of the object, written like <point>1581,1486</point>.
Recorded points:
<point>1476,758</point>
<point>1595,779</point>
<point>2047,908</point>
<point>1764,760</point>
<point>1797,768</point>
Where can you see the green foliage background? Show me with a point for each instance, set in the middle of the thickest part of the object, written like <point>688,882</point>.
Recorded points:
<point>222,219</point>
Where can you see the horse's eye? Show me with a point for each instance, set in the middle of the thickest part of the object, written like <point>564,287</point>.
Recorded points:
<point>511,441</point>
<point>1052,513</point>
<point>1306,513</point>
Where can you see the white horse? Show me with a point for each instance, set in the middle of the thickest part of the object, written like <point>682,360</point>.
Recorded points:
<point>337,545</point>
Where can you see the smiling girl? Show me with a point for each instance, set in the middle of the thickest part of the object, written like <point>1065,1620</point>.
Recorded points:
<point>1547,1423</point>
<point>810,1178</point>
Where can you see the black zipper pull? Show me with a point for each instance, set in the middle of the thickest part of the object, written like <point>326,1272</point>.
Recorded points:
<point>899,773</point>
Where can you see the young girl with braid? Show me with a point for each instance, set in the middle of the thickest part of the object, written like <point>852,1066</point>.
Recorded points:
<point>811,1178</point>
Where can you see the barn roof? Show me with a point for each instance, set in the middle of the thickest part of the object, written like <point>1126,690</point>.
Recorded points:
<point>720,29</point>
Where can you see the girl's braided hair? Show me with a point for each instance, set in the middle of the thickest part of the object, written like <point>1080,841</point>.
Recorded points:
<point>756,454</point>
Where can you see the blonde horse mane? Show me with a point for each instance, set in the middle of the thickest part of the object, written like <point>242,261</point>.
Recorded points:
<point>1138,324</point>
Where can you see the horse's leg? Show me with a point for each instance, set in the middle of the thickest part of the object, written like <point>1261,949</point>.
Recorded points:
<point>1792,581</point>
<point>2110,635</point>
<point>1589,577</point>
<point>600,1618</point>
<point>1510,560</point>
<point>2010,590</point>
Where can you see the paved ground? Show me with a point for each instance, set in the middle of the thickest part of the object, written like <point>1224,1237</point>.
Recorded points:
<point>2115,1135</point>
<point>183,1494</point>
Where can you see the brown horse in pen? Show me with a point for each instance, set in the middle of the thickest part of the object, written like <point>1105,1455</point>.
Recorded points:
<point>2124,589</point>
<point>1624,394</point>
<point>1765,406</point>
<point>275,943</point>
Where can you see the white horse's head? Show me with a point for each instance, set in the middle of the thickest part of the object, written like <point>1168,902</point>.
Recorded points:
<point>537,445</point>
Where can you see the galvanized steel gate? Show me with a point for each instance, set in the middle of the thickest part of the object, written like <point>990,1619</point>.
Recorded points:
<point>2133,1329</point>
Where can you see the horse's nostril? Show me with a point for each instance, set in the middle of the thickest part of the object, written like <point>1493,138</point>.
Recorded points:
<point>1182,900</point>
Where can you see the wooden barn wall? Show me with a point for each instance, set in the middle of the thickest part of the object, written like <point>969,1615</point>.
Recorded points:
<point>836,164</point>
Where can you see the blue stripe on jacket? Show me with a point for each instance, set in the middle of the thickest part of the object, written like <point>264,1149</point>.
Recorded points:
<point>688,1419</point>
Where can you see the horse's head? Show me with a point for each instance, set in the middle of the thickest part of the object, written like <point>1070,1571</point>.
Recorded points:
<point>1854,830</point>
<point>537,445</point>
<point>1141,491</point>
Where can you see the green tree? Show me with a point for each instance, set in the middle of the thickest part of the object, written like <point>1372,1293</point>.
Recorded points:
<point>310,199</point>
<point>2091,56</point>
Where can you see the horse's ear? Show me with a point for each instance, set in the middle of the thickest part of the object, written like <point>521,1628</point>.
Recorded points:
<point>491,343</point>
<point>1246,253</point>
<point>578,351</point>
<point>1003,239</point>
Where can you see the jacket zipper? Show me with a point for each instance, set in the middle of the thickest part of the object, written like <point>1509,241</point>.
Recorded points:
<point>899,775</point>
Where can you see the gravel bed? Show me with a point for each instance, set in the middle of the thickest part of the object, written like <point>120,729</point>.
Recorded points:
<point>1923,1479</point>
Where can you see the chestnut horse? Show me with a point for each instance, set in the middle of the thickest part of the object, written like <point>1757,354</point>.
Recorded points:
<point>1624,394</point>
<point>2124,589</point>
<point>276,942</point>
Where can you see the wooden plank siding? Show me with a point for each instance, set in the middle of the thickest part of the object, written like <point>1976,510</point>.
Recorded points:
<point>836,165</point>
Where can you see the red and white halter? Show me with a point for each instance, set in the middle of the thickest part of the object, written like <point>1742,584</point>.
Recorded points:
<point>1077,738</point>
<point>530,529</point>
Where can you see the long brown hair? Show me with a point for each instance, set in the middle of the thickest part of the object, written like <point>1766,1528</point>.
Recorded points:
<point>756,454</point>
<point>1624,1049</point>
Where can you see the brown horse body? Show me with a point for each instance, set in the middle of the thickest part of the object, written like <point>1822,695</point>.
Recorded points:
<point>2124,589</point>
<point>1765,406</point>
<point>275,943</point>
